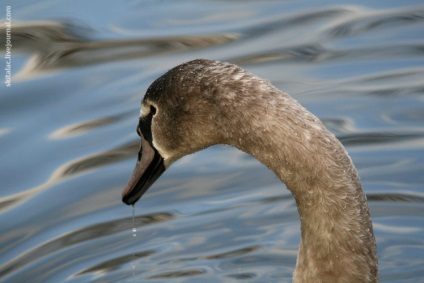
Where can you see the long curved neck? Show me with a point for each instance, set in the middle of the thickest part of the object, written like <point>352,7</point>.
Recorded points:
<point>337,240</point>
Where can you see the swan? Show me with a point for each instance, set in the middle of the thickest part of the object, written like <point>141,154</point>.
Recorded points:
<point>203,103</point>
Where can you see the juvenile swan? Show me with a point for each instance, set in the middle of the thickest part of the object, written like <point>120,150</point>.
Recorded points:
<point>203,103</point>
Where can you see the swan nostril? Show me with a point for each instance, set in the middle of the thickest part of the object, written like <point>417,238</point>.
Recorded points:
<point>139,154</point>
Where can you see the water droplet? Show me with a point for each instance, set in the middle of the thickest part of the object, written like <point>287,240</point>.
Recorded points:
<point>134,230</point>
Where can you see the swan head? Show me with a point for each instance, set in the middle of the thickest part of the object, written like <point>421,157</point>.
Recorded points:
<point>179,116</point>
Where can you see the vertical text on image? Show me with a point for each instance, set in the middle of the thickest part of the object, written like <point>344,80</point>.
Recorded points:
<point>8,48</point>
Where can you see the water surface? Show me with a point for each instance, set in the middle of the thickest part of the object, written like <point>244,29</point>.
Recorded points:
<point>68,140</point>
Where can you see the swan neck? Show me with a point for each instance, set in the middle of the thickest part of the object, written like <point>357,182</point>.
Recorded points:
<point>337,241</point>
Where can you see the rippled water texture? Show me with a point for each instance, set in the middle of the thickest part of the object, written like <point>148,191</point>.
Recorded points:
<point>68,141</point>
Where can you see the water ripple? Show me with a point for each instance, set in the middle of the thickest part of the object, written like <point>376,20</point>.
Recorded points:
<point>333,23</point>
<point>374,137</point>
<point>72,168</point>
<point>57,45</point>
<point>399,197</point>
<point>77,237</point>
<point>114,264</point>
<point>179,273</point>
<point>234,253</point>
<point>374,20</point>
<point>83,127</point>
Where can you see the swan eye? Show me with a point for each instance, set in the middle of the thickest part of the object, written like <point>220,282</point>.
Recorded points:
<point>152,110</point>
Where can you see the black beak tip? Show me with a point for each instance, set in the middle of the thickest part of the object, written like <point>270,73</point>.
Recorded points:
<point>129,200</point>
<point>126,200</point>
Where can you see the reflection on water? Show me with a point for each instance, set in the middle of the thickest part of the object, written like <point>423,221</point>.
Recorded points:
<point>56,45</point>
<point>67,133</point>
<point>72,168</point>
<point>78,237</point>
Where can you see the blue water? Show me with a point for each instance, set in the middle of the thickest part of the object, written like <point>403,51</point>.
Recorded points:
<point>68,142</point>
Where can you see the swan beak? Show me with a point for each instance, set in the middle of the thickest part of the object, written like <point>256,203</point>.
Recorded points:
<point>147,170</point>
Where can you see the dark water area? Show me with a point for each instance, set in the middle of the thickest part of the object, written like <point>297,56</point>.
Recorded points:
<point>68,142</point>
